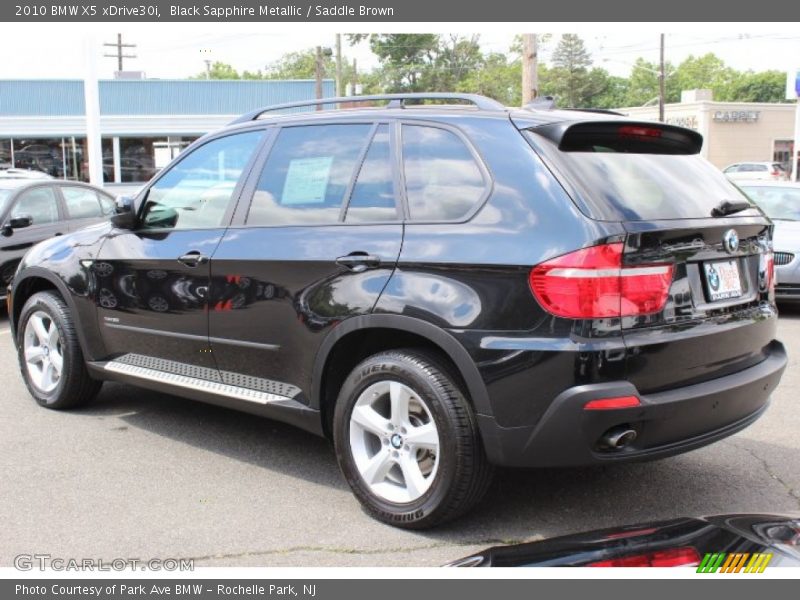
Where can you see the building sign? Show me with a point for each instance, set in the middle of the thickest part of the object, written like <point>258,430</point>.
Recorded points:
<point>690,122</point>
<point>737,116</point>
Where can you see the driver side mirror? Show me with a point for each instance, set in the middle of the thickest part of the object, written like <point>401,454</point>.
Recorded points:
<point>124,215</point>
<point>17,222</point>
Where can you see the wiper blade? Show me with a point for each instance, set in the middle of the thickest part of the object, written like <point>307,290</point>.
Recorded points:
<point>726,207</point>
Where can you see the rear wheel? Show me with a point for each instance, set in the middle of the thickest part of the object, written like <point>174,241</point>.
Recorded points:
<point>50,356</point>
<point>407,441</point>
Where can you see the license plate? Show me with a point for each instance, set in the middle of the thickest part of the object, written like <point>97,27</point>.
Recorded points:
<point>723,280</point>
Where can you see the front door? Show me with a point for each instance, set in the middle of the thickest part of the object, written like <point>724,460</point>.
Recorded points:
<point>40,203</point>
<point>152,282</point>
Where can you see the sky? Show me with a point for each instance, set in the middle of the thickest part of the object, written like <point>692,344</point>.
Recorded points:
<point>168,50</point>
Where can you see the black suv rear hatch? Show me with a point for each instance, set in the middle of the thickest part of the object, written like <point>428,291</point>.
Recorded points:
<point>679,210</point>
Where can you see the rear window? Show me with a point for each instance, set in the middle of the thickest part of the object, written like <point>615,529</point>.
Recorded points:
<point>615,184</point>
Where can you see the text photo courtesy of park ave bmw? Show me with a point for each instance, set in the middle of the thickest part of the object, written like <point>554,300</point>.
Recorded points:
<point>295,295</point>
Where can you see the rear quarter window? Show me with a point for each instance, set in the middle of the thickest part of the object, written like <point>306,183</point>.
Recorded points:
<point>443,179</point>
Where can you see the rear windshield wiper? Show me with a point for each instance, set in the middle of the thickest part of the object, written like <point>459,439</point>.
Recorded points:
<point>726,207</point>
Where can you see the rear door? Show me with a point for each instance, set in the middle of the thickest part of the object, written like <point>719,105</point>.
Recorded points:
<point>85,205</point>
<point>679,211</point>
<point>316,244</point>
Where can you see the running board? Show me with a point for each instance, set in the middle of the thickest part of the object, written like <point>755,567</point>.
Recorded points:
<point>193,383</point>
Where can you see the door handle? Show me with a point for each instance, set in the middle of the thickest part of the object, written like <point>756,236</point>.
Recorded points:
<point>193,259</point>
<point>359,261</point>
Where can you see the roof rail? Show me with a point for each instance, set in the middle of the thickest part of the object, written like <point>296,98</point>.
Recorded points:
<point>602,111</point>
<point>395,101</point>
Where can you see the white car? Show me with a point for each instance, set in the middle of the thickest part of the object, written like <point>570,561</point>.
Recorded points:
<point>23,174</point>
<point>781,202</point>
<point>744,171</point>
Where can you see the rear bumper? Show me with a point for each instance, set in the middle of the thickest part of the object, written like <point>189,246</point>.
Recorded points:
<point>666,423</point>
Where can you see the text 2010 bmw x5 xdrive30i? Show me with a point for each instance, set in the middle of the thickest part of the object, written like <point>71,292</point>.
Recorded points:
<point>439,289</point>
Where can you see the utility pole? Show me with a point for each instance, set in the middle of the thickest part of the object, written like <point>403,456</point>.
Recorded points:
<point>530,68</point>
<point>318,75</point>
<point>355,78</point>
<point>119,54</point>
<point>208,68</point>
<point>339,65</point>
<point>662,76</point>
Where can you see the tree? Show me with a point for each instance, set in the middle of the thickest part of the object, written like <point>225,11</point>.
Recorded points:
<point>218,70</point>
<point>407,59</point>
<point>572,83</point>
<point>498,77</point>
<point>706,72</point>
<point>766,86</point>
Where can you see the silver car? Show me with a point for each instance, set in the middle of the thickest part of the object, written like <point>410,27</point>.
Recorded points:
<point>781,201</point>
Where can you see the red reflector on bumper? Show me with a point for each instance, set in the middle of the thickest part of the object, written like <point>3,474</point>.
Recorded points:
<point>612,403</point>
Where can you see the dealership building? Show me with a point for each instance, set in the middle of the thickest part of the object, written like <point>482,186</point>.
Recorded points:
<point>144,123</point>
<point>732,131</point>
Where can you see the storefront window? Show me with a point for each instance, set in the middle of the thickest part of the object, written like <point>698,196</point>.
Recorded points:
<point>5,153</point>
<point>141,158</point>
<point>62,158</point>
<point>66,158</point>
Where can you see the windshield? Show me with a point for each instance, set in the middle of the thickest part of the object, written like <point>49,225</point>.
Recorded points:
<point>618,185</point>
<point>781,203</point>
<point>4,196</point>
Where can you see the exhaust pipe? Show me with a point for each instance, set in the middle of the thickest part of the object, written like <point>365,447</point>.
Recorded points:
<point>617,438</point>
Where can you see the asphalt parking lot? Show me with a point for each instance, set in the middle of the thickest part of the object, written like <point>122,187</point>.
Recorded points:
<point>145,475</point>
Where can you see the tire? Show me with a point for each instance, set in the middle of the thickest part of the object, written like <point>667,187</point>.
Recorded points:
<point>377,453</point>
<point>73,386</point>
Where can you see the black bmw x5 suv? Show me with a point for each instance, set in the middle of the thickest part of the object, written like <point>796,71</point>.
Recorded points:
<point>439,289</point>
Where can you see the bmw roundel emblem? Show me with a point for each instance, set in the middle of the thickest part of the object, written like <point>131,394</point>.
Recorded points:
<point>713,278</point>
<point>730,241</point>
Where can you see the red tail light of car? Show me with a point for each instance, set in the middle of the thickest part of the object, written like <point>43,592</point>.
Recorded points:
<point>673,557</point>
<point>592,283</point>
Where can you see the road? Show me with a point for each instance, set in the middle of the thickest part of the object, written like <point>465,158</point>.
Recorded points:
<point>144,475</point>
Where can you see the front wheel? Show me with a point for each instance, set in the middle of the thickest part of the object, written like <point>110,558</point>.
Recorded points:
<point>407,441</point>
<point>50,356</point>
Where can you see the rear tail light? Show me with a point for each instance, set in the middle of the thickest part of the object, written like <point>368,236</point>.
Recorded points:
<point>767,271</point>
<point>673,557</point>
<point>592,283</point>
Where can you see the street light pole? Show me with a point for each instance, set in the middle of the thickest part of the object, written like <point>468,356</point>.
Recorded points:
<point>661,82</point>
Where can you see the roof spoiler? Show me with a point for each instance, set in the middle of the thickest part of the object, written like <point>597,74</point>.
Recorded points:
<point>621,135</point>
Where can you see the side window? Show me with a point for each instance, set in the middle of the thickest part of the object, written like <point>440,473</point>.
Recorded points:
<point>82,203</point>
<point>196,191</point>
<point>39,203</point>
<point>307,174</point>
<point>373,194</point>
<point>107,205</point>
<point>443,181</point>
